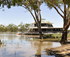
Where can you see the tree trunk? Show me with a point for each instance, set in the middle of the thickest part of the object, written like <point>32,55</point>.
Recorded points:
<point>65,31</point>
<point>64,36</point>
<point>40,31</point>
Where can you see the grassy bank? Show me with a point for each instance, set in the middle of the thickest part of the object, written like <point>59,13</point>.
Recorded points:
<point>69,35</point>
<point>52,37</point>
<point>55,35</point>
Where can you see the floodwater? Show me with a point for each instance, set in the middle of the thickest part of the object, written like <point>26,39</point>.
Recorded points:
<point>13,45</point>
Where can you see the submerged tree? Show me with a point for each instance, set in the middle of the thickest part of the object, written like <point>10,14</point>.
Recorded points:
<point>64,13</point>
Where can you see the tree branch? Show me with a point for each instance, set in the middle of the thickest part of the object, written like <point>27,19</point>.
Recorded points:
<point>58,12</point>
<point>30,13</point>
<point>52,4</point>
<point>36,14</point>
<point>68,24</point>
<point>60,9</point>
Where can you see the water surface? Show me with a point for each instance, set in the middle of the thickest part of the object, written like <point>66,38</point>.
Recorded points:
<point>23,46</point>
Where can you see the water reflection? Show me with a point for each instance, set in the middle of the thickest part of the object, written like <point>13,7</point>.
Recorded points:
<point>1,44</point>
<point>23,46</point>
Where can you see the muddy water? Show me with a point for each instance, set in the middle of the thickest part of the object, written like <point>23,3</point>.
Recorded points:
<point>22,46</point>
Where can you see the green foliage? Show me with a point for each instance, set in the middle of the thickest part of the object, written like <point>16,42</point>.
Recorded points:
<point>13,28</point>
<point>51,3</point>
<point>68,35</point>
<point>17,2</point>
<point>67,2</point>
<point>2,28</point>
<point>27,25</point>
<point>47,36</point>
<point>54,35</point>
<point>32,4</point>
<point>23,28</point>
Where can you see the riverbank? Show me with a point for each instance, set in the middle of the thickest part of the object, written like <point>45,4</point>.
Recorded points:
<point>62,51</point>
<point>49,39</point>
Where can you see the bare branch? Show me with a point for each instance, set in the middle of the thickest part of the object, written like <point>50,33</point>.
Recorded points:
<point>60,9</point>
<point>36,16</point>
<point>58,12</point>
<point>30,13</point>
<point>56,9</point>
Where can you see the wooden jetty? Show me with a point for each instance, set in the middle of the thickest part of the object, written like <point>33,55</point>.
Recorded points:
<point>62,51</point>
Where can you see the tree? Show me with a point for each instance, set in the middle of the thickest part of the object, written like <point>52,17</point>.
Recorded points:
<point>33,6</point>
<point>2,28</point>
<point>27,26</point>
<point>23,27</point>
<point>12,28</point>
<point>64,13</point>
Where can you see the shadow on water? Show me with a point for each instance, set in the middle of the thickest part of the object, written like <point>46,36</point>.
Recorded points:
<point>37,55</point>
<point>24,46</point>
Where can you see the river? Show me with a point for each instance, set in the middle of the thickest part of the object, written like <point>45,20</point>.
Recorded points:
<point>13,45</point>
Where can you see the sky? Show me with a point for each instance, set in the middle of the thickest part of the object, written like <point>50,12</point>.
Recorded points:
<point>16,15</point>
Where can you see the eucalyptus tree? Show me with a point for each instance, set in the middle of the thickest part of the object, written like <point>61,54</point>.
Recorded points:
<point>63,12</point>
<point>33,6</point>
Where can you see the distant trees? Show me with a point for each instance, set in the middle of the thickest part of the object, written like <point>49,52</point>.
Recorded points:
<point>3,28</point>
<point>14,28</point>
<point>23,28</point>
